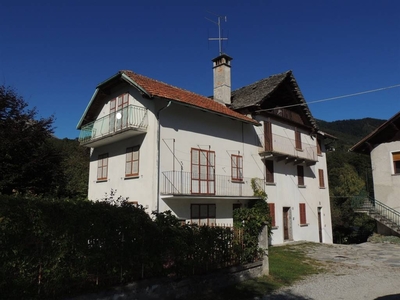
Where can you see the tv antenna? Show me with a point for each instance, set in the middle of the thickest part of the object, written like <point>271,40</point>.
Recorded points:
<point>219,38</point>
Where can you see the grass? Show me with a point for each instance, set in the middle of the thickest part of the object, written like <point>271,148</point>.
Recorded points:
<point>288,264</point>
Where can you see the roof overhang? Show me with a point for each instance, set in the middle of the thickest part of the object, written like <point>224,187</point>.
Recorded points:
<point>388,131</point>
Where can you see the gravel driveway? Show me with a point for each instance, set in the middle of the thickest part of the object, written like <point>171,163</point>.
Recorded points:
<point>364,271</point>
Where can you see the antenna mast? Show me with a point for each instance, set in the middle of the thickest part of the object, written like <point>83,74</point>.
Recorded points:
<point>219,38</point>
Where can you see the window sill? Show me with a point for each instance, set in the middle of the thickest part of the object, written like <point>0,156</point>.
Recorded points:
<point>320,154</point>
<point>298,149</point>
<point>274,227</point>
<point>304,225</point>
<point>237,181</point>
<point>131,177</point>
<point>101,180</point>
<point>396,174</point>
<point>302,186</point>
<point>270,183</point>
<point>322,187</point>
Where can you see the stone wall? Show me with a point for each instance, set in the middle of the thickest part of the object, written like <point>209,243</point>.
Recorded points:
<point>177,289</point>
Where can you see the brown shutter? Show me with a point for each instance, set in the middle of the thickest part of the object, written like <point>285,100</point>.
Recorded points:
<point>303,219</point>
<point>268,136</point>
<point>396,156</point>
<point>269,171</point>
<point>300,175</point>
<point>298,139</point>
<point>321,178</point>
<point>272,213</point>
<point>319,151</point>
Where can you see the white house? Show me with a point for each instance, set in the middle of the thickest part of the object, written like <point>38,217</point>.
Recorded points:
<point>170,149</point>
<point>383,146</point>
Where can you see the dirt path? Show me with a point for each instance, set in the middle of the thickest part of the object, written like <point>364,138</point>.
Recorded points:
<point>364,271</point>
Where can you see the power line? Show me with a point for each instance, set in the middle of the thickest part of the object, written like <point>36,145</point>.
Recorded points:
<point>334,98</point>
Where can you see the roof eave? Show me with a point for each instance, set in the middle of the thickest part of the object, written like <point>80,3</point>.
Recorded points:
<point>100,85</point>
<point>250,121</point>
<point>78,126</point>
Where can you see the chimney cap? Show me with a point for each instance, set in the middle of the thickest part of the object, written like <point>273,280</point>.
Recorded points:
<point>223,55</point>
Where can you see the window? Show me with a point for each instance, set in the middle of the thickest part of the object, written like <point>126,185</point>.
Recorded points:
<point>269,171</point>
<point>300,175</point>
<point>117,106</point>
<point>321,178</point>
<point>132,162</point>
<point>203,171</point>
<point>268,136</point>
<point>297,137</point>
<point>203,214</point>
<point>237,167</point>
<point>396,162</point>
<point>319,147</point>
<point>102,166</point>
<point>272,213</point>
<point>303,218</point>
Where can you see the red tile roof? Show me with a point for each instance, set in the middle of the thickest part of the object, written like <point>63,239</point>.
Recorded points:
<point>161,89</point>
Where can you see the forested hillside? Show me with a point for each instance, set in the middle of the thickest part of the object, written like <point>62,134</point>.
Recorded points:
<point>349,175</point>
<point>351,131</point>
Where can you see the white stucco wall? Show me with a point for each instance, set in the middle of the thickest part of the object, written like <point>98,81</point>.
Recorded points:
<point>183,128</point>
<point>386,184</point>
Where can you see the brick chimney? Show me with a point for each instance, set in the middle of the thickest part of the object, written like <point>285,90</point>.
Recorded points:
<point>222,78</point>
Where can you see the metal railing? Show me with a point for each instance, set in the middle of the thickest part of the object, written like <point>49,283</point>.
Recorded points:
<point>372,205</point>
<point>130,117</point>
<point>284,145</point>
<point>186,183</point>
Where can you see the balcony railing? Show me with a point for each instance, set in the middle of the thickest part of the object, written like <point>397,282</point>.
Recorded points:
<point>284,146</point>
<point>130,117</point>
<point>187,183</point>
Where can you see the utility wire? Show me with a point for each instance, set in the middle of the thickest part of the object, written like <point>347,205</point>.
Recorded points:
<point>334,98</point>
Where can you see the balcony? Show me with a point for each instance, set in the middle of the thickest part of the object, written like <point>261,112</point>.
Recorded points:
<point>122,124</point>
<point>186,183</point>
<point>284,148</point>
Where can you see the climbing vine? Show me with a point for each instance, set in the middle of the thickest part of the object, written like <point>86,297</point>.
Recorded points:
<point>253,219</point>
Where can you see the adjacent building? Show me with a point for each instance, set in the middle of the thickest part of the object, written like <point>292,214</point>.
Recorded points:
<point>383,146</point>
<point>166,148</point>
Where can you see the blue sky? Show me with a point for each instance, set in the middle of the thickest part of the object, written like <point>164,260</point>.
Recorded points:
<point>54,53</point>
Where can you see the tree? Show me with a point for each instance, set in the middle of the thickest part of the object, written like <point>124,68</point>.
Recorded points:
<point>28,160</point>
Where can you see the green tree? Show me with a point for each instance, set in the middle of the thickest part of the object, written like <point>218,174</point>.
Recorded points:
<point>27,159</point>
<point>74,168</point>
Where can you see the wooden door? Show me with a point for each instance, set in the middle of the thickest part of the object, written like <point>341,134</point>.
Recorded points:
<point>286,223</point>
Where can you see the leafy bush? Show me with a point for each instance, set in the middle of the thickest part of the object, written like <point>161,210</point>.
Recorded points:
<point>51,248</point>
<point>252,219</point>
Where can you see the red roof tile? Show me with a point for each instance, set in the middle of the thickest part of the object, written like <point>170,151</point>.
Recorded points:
<point>161,89</point>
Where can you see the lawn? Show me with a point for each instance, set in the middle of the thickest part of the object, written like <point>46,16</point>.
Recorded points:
<point>287,265</point>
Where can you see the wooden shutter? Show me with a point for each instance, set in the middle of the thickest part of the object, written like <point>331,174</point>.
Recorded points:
<point>298,139</point>
<point>268,136</point>
<point>102,167</point>
<point>396,156</point>
<point>272,213</point>
<point>321,178</point>
<point>300,175</point>
<point>269,171</point>
<point>303,218</point>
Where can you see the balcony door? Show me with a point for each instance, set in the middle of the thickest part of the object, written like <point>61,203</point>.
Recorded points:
<point>122,112</point>
<point>203,172</point>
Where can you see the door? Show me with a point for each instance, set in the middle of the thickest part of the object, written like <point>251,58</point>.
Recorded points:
<point>122,112</point>
<point>320,224</point>
<point>286,223</point>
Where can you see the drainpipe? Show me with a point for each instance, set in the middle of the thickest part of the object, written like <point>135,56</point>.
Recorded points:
<point>158,154</point>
